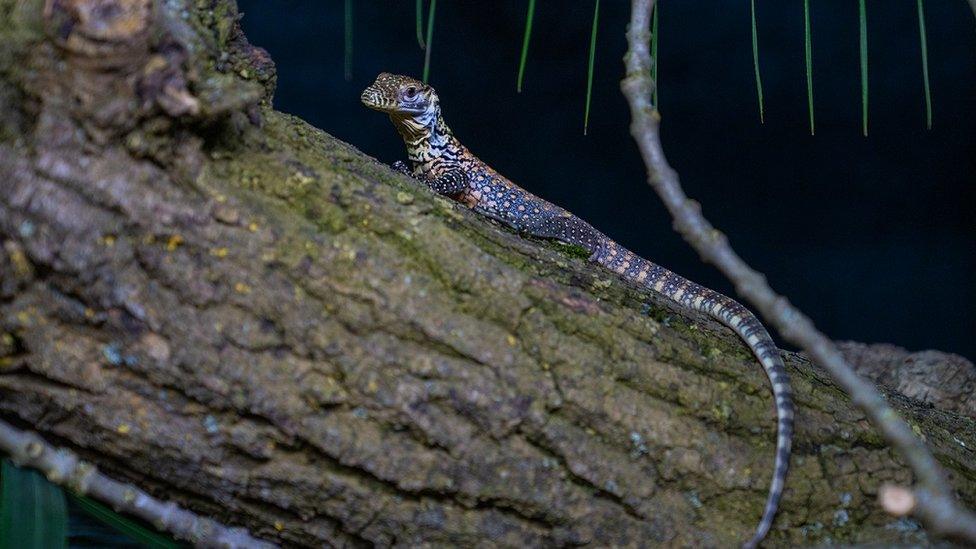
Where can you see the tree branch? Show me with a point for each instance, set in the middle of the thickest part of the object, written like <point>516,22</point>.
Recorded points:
<point>239,313</point>
<point>63,467</point>
<point>935,504</point>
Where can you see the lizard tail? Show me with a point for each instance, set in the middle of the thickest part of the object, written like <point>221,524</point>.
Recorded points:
<point>733,315</point>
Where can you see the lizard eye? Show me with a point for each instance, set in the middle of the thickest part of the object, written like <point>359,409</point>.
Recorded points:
<point>411,92</point>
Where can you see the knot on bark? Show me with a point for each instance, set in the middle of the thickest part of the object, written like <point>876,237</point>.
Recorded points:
<point>100,33</point>
<point>130,62</point>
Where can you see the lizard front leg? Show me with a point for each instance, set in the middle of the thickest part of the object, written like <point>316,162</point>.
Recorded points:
<point>451,183</point>
<point>401,167</point>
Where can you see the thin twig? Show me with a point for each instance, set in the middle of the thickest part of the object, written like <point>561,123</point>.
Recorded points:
<point>935,506</point>
<point>64,468</point>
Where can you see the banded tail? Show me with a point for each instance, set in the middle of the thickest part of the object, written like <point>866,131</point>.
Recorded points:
<point>732,314</point>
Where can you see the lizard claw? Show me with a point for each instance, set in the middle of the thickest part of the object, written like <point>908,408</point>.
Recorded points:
<point>597,254</point>
<point>401,167</point>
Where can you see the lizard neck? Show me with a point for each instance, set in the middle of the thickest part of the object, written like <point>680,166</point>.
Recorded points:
<point>427,137</point>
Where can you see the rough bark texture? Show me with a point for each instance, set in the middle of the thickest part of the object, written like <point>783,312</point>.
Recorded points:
<point>943,380</point>
<point>236,311</point>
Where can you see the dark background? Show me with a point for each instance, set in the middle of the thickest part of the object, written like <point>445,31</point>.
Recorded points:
<point>872,237</point>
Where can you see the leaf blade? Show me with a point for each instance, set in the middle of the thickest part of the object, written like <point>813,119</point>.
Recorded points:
<point>347,41</point>
<point>420,24</point>
<point>863,45</point>
<point>33,514</point>
<point>925,65</point>
<point>755,61</point>
<point>808,58</point>
<point>430,38</point>
<point>525,44</point>
<point>589,70</point>
<point>124,525</point>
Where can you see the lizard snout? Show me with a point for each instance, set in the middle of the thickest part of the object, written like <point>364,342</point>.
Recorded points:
<point>368,97</point>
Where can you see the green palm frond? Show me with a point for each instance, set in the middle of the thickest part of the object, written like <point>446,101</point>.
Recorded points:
<point>808,57</point>
<point>525,44</point>
<point>925,65</point>
<point>863,42</point>
<point>33,514</point>
<point>430,38</point>
<point>347,42</point>
<point>589,69</point>
<point>420,24</point>
<point>755,61</point>
<point>124,525</point>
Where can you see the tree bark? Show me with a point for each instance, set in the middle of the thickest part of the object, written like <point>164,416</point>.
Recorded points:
<point>236,311</point>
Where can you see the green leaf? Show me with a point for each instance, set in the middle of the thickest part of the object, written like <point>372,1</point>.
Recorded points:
<point>925,65</point>
<point>808,57</point>
<point>863,41</point>
<point>430,38</point>
<point>420,23</point>
<point>129,527</point>
<point>755,61</point>
<point>525,43</point>
<point>347,44</point>
<point>589,70</point>
<point>32,510</point>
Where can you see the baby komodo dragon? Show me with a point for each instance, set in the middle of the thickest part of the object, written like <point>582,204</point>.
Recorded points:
<point>438,159</point>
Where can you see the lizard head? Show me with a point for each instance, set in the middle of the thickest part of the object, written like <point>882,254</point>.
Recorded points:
<point>401,97</point>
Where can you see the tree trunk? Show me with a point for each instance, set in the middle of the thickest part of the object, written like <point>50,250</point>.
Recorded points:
<point>235,311</point>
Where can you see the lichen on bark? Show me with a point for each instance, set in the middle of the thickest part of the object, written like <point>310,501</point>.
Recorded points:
<point>236,311</point>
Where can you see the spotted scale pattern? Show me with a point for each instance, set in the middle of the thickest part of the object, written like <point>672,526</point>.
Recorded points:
<point>448,167</point>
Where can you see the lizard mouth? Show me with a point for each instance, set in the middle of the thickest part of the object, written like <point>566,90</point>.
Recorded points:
<point>379,101</point>
<point>374,100</point>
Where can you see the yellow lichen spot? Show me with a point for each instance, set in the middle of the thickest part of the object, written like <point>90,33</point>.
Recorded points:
<point>123,429</point>
<point>511,340</point>
<point>299,179</point>
<point>219,252</point>
<point>372,386</point>
<point>89,313</point>
<point>279,526</point>
<point>174,242</point>
<point>242,288</point>
<point>220,198</point>
<point>24,317</point>
<point>108,240</point>
<point>253,227</point>
<point>590,431</point>
<point>22,265</point>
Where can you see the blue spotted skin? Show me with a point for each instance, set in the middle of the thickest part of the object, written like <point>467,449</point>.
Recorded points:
<point>437,158</point>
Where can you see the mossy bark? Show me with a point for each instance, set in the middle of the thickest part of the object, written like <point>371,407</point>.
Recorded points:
<point>238,312</point>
